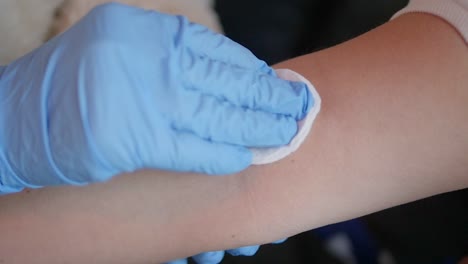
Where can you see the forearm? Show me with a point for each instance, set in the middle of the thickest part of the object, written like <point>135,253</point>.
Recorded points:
<point>392,130</point>
<point>144,217</point>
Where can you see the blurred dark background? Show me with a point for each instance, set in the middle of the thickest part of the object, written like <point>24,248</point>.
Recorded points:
<point>433,230</point>
<point>276,30</point>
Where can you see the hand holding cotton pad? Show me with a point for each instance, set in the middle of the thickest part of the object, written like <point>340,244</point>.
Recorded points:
<point>270,155</point>
<point>93,106</point>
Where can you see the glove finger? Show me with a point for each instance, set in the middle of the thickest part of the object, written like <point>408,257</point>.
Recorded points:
<point>192,153</point>
<point>250,89</point>
<point>213,257</point>
<point>244,251</point>
<point>279,241</point>
<point>220,121</point>
<point>206,43</point>
<point>179,261</point>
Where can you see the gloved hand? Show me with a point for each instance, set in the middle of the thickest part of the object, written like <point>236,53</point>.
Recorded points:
<point>215,257</point>
<point>126,89</point>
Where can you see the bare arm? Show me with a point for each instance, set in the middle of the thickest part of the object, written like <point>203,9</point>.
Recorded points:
<point>393,128</point>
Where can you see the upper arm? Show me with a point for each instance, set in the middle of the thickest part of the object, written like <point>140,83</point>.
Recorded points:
<point>392,128</point>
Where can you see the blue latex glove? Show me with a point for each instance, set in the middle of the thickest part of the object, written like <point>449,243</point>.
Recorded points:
<point>215,257</point>
<point>127,88</point>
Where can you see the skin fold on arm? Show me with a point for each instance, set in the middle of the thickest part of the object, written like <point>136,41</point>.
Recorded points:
<point>393,129</point>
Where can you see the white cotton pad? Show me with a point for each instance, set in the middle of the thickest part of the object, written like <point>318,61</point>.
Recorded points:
<point>270,155</point>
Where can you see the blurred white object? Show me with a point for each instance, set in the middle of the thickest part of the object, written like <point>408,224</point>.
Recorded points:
<point>199,11</point>
<point>25,24</point>
<point>341,247</point>
<point>385,257</point>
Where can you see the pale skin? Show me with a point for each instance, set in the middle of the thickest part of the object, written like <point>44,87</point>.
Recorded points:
<point>393,129</point>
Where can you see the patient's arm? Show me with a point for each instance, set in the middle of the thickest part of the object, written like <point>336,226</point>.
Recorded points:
<point>393,128</point>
